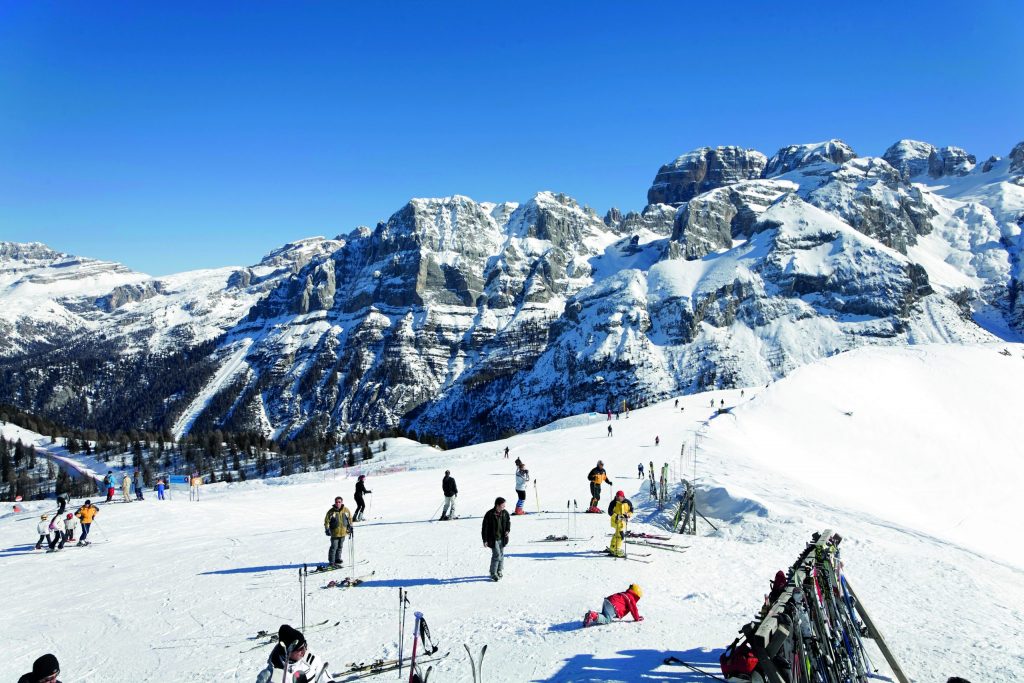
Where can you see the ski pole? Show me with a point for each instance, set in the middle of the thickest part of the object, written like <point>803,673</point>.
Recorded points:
<point>415,641</point>
<point>536,496</point>
<point>568,517</point>
<point>105,538</point>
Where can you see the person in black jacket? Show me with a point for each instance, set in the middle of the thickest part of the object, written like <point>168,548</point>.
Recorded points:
<point>44,670</point>
<point>450,491</point>
<point>360,505</point>
<point>495,530</point>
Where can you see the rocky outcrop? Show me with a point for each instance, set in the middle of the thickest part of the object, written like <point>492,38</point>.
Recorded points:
<point>124,294</point>
<point>656,218</point>
<point>1017,159</point>
<point>711,221</point>
<point>909,157</point>
<point>950,161</point>
<point>871,196</point>
<point>795,157</point>
<point>702,170</point>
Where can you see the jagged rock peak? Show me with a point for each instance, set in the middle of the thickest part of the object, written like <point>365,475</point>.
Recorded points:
<point>798,156</point>
<point>909,157</point>
<point>28,250</point>
<point>704,169</point>
<point>1017,159</point>
<point>950,161</point>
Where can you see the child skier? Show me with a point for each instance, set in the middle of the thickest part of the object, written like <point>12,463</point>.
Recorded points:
<point>616,607</point>
<point>43,528</point>
<point>57,527</point>
<point>70,524</point>
<point>292,659</point>
<point>620,510</point>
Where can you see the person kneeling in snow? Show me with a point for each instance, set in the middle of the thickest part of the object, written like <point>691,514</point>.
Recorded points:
<point>616,607</point>
<point>292,656</point>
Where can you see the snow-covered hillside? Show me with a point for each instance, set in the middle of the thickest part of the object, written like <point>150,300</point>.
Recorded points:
<point>906,452</point>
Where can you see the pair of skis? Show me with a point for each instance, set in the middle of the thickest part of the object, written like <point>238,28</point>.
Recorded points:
<point>554,538</point>
<point>476,663</point>
<point>350,581</point>
<point>272,637</point>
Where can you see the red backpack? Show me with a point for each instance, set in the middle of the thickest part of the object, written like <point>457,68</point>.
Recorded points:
<point>738,661</point>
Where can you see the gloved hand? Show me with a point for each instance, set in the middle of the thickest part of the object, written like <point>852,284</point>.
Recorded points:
<point>327,532</point>
<point>639,618</point>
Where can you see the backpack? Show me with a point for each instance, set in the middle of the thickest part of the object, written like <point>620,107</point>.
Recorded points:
<point>778,585</point>
<point>738,661</point>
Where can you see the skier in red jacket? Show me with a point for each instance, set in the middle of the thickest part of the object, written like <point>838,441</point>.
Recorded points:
<point>616,607</point>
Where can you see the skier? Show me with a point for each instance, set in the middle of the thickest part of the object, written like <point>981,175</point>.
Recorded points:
<point>597,477</point>
<point>126,487</point>
<point>360,504</point>
<point>721,403</point>
<point>620,510</point>
<point>160,489</point>
<point>62,502</point>
<point>522,476</point>
<point>70,524</point>
<point>640,471</point>
<point>337,525</point>
<point>616,607</point>
<point>506,452</point>
<point>86,513</point>
<point>44,670</point>
<point>43,528</point>
<point>495,529</point>
<point>677,403</point>
<point>292,657</point>
<point>657,440</point>
<point>109,481</point>
<point>609,430</point>
<point>451,491</point>
<point>139,485</point>
<point>57,527</point>
<point>741,393</point>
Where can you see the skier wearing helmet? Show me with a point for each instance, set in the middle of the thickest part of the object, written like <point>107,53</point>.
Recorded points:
<point>597,477</point>
<point>360,505</point>
<point>616,607</point>
<point>86,513</point>
<point>70,524</point>
<point>620,510</point>
<point>43,529</point>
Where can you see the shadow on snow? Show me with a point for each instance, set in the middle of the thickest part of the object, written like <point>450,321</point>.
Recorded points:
<point>633,665</point>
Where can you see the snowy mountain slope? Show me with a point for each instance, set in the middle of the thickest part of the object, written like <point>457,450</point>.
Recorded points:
<point>468,320</point>
<point>205,576</point>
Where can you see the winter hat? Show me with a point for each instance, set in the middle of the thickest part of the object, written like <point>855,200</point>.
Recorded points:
<point>620,493</point>
<point>362,476</point>
<point>600,463</point>
<point>69,516</point>
<point>88,502</point>
<point>46,665</point>
<point>43,516</point>
<point>291,638</point>
<point>635,590</point>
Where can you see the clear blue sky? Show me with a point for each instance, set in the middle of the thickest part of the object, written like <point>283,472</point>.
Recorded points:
<point>180,135</point>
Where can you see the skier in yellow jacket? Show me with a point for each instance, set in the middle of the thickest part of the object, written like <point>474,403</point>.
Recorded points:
<point>620,510</point>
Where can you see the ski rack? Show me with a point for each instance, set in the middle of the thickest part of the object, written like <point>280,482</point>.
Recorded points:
<point>776,638</point>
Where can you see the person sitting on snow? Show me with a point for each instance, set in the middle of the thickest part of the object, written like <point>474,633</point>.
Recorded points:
<point>616,607</point>
<point>44,670</point>
<point>293,656</point>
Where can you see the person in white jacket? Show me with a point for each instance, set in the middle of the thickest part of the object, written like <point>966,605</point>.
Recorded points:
<point>44,531</point>
<point>522,478</point>
<point>70,526</point>
<point>57,527</point>
<point>292,657</point>
<point>126,488</point>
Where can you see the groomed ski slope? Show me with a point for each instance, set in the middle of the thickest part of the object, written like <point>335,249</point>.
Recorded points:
<point>921,481</point>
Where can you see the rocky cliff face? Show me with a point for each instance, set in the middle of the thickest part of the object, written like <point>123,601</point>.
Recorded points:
<point>702,170</point>
<point>466,320</point>
<point>796,157</point>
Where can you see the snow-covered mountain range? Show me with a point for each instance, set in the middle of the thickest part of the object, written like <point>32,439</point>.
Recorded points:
<point>468,320</point>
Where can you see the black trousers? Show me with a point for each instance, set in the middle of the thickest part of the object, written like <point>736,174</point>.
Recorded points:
<point>360,506</point>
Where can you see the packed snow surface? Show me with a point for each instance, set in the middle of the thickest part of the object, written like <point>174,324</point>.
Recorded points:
<point>908,453</point>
